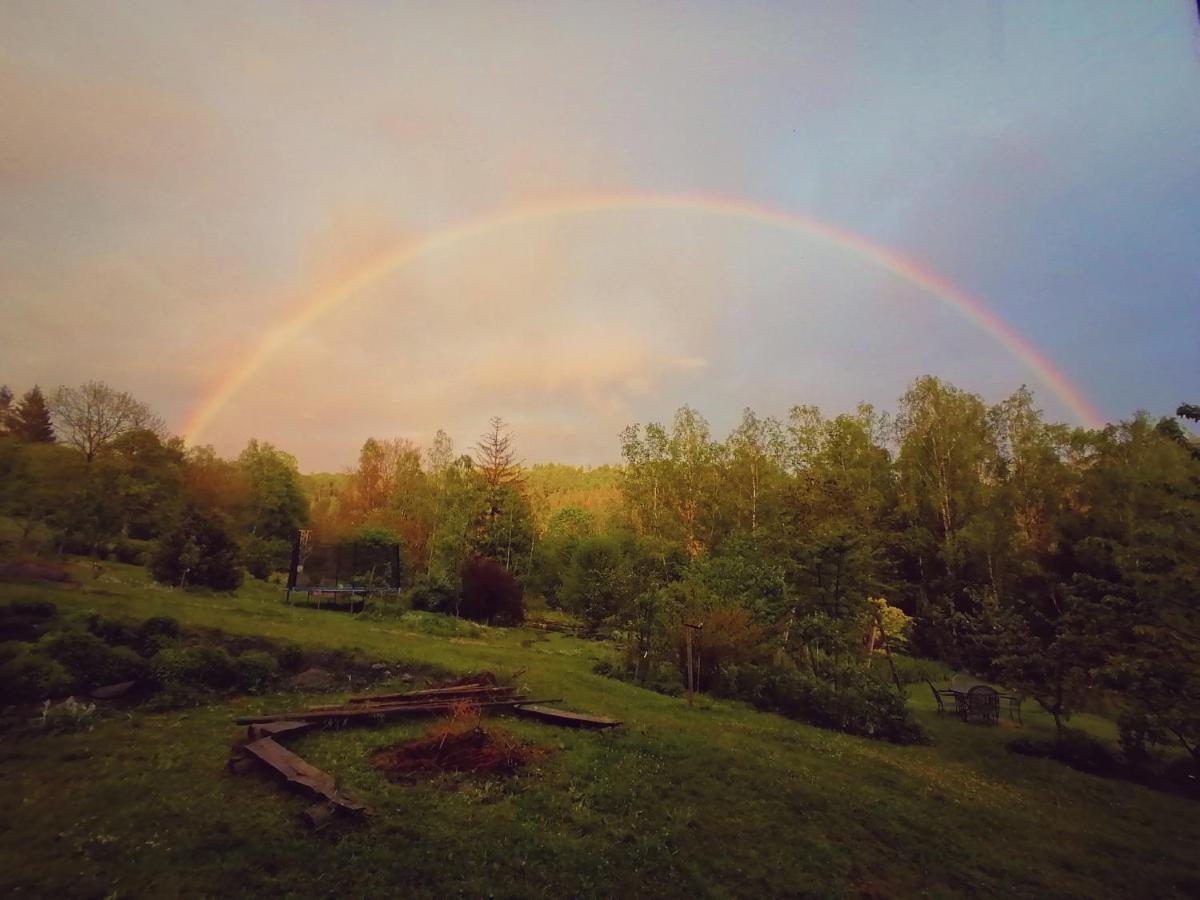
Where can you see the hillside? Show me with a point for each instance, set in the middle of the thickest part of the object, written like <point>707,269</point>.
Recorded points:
<point>717,800</point>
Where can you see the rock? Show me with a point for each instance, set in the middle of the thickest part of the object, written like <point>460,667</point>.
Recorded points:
<point>313,679</point>
<point>109,691</point>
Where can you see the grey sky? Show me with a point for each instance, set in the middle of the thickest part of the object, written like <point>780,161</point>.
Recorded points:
<point>177,179</point>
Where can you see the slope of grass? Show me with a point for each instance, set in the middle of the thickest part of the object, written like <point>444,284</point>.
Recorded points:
<point>719,800</point>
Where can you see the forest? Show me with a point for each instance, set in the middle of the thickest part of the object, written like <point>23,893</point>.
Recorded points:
<point>826,557</point>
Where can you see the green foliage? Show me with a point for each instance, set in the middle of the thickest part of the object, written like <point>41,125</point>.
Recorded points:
<point>290,657</point>
<point>276,505</point>
<point>856,702</point>
<point>198,549</point>
<point>90,661</point>
<point>164,626</point>
<point>430,593</point>
<point>29,420</point>
<point>256,671</point>
<point>262,557</point>
<point>31,676</point>
<point>195,667</point>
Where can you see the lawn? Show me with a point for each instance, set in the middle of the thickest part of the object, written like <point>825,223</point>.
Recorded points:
<point>719,800</point>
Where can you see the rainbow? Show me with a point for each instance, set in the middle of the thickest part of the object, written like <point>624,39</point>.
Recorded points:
<point>322,302</point>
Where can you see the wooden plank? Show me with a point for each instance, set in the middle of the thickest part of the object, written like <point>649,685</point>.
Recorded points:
<point>562,717</point>
<point>301,774</point>
<point>367,711</point>
<point>275,729</point>
<point>458,691</point>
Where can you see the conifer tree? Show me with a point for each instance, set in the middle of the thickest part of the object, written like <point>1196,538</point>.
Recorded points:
<point>30,419</point>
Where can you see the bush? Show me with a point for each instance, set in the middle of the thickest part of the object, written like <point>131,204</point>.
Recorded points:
<point>112,631</point>
<point>290,657</point>
<point>198,549</point>
<point>34,609</point>
<point>729,638</point>
<point>202,666</point>
<point>429,593</point>
<point>1075,748</point>
<point>256,671</point>
<point>133,552</point>
<point>90,661</point>
<point>262,556</point>
<point>855,702</point>
<point>160,625</point>
<point>490,593</point>
<point>32,676</point>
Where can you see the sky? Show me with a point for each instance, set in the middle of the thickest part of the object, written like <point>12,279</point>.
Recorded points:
<point>195,200</point>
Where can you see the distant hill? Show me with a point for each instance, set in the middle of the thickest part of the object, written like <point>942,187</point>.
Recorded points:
<point>554,486</point>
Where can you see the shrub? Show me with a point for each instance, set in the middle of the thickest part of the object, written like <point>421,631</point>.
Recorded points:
<point>490,593</point>
<point>12,649</point>
<point>855,702</point>
<point>212,666</point>
<point>263,556</point>
<point>133,552</point>
<point>1075,748</point>
<point>34,609</point>
<point>429,593</point>
<point>256,670</point>
<point>202,666</point>
<point>198,549</point>
<point>290,657</point>
<point>728,638</point>
<point>85,657</point>
<point>31,676</point>
<point>160,625</point>
<point>112,631</point>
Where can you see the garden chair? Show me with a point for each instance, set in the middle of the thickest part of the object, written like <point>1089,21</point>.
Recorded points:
<point>941,703</point>
<point>983,703</point>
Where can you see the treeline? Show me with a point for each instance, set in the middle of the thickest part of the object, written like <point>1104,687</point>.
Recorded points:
<point>92,471</point>
<point>1059,561</point>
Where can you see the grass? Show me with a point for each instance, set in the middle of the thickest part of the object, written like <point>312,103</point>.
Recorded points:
<point>718,800</point>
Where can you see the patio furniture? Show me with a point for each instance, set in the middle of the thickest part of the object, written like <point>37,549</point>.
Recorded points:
<point>983,704</point>
<point>940,696</point>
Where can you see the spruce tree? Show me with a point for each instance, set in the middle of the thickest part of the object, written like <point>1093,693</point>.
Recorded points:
<point>30,419</point>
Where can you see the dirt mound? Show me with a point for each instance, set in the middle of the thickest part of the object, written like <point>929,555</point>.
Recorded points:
<point>459,746</point>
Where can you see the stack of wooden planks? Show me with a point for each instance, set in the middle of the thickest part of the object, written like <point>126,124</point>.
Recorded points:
<point>262,748</point>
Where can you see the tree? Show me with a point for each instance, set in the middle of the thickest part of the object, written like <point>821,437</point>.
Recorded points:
<point>92,415</point>
<point>276,505</point>
<point>29,420</point>
<point>198,549</point>
<point>756,457</point>
<point>495,457</point>
<point>440,454</point>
